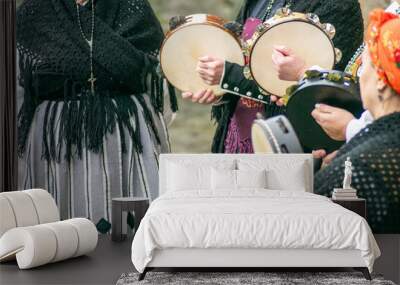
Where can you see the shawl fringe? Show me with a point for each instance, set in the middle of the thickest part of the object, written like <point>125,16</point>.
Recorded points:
<point>85,119</point>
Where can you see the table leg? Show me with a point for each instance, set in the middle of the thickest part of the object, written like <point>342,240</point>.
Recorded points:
<point>116,222</point>
<point>140,211</point>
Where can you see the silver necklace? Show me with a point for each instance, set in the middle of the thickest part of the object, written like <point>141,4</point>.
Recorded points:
<point>270,6</point>
<point>90,42</point>
<point>269,10</point>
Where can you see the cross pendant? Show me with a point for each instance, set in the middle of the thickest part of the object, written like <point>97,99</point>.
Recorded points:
<point>92,81</point>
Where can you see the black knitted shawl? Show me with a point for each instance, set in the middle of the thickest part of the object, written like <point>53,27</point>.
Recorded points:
<point>375,154</point>
<point>55,65</point>
<point>345,15</point>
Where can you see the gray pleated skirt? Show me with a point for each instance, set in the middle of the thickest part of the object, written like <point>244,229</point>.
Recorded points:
<point>85,187</point>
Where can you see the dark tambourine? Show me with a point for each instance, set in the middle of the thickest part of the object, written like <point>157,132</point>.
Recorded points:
<point>333,88</point>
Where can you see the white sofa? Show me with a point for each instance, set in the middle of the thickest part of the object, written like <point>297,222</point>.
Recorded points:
<point>31,231</point>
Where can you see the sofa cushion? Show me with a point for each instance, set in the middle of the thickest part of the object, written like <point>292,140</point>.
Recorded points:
<point>26,208</point>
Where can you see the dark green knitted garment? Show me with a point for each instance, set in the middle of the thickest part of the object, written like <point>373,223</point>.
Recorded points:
<point>55,66</point>
<point>345,15</point>
<point>375,154</point>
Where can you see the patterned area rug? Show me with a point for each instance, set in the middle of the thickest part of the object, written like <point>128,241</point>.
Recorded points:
<point>251,278</point>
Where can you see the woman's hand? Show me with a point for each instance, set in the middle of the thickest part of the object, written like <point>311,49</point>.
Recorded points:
<point>277,100</point>
<point>81,2</point>
<point>326,159</point>
<point>289,66</point>
<point>333,120</point>
<point>202,97</point>
<point>211,69</point>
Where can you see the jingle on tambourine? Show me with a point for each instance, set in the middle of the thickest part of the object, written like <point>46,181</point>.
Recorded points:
<point>288,29</point>
<point>191,38</point>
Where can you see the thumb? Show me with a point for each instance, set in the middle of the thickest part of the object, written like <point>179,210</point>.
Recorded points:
<point>284,50</point>
<point>277,57</point>
<point>325,108</point>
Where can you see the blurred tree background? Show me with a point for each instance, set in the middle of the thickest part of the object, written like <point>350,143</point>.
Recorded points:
<point>192,131</point>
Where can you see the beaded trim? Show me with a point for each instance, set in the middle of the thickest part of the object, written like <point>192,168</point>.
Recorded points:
<point>360,50</point>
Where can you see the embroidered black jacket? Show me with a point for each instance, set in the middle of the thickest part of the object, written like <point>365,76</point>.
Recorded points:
<point>345,15</point>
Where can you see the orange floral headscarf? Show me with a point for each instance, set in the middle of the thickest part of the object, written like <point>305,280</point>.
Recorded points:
<point>383,39</point>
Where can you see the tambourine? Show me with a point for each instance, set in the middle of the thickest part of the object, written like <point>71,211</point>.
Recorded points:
<point>193,37</point>
<point>333,88</point>
<point>275,135</point>
<point>302,33</point>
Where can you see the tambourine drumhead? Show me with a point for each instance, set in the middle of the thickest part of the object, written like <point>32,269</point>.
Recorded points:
<point>275,135</point>
<point>306,40</point>
<point>185,45</point>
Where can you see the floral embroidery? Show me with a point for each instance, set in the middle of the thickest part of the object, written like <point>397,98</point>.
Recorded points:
<point>397,57</point>
<point>251,103</point>
<point>383,39</point>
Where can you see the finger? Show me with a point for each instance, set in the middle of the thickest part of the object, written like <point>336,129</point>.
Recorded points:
<point>328,159</point>
<point>204,78</point>
<point>284,50</point>
<point>198,95</point>
<point>212,98</point>
<point>273,98</point>
<point>207,58</point>
<point>205,75</point>
<point>325,108</point>
<point>320,117</point>
<point>277,58</point>
<point>208,73</point>
<point>187,95</point>
<point>205,97</point>
<point>280,102</point>
<point>203,66</point>
<point>319,153</point>
<point>210,82</point>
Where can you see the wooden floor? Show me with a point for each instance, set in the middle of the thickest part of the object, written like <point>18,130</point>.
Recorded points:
<point>103,266</point>
<point>106,264</point>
